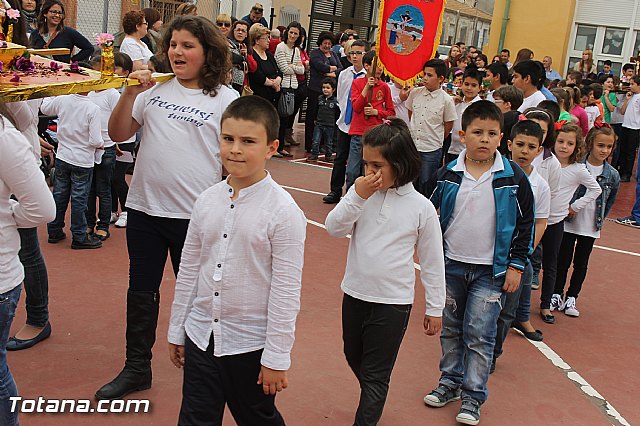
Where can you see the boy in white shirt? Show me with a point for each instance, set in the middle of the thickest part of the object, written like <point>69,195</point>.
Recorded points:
<point>630,134</point>
<point>471,85</point>
<point>238,289</point>
<point>528,76</point>
<point>525,143</point>
<point>79,137</point>
<point>432,112</point>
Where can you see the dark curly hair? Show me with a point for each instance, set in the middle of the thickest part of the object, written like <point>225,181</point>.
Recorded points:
<point>131,20</point>
<point>217,55</point>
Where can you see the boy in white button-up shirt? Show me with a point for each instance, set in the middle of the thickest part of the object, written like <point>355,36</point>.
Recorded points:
<point>238,290</point>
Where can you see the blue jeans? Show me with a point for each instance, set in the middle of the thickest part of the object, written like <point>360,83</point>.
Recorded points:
<point>101,188</point>
<point>469,325</point>
<point>523,313</point>
<point>431,162</point>
<point>354,163</point>
<point>71,182</point>
<point>635,212</point>
<point>36,279</point>
<point>511,303</point>
<point>8,303</point>
<point>320,132</point>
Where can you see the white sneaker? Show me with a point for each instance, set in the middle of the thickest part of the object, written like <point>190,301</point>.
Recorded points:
<point>570,307</point>
<point>114,217</point>
<point>556,301</point>
<point>122,221</point>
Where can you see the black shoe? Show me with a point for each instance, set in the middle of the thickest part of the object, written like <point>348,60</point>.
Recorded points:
<point>91,242</point>
<point>128,381</point>
<point>328,158</point>
<point>102,237</point>
<point>14,344</point>
<point>142,319</point>
<point>331,198</point>
<point>55,238</point>
<point>536,336</point>
<point>549,319</point>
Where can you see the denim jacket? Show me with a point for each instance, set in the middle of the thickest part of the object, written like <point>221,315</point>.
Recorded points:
<point>514,212</point>
<point>609,181</point>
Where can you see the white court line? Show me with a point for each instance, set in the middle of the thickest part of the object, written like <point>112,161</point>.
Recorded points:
<point>614,250</point>
<point>549,353</point>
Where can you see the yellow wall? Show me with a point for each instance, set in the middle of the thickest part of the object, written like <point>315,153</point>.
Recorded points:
<point>543,26</point>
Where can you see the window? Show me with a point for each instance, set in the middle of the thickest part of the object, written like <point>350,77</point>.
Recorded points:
<point>636,48</point>
<point>616,67</point>
<point>572,63</point>
<point>613,39</point>
<point>585,38</point>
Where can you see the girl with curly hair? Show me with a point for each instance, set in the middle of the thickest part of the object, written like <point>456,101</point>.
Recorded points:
<point>179,158</point>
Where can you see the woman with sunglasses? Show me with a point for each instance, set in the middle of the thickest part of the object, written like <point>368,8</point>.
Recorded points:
<point>52,33</point>
<point>135,26</point>
<point>237,40</point>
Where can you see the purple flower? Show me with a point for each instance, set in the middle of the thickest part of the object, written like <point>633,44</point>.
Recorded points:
<point>1,66</point>
<point>16,78</point>
<point>74,66</point>
<point>55,66</point>
<point>25,65</point>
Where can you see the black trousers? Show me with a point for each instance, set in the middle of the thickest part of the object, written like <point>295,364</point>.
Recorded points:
<point>310,118</point>
<point>338,173</point>
<point>149,240</point>
<point>629,140</point>
<point>551,241</point>
<point>582,246</point>
<point>372,334</point>
<point>119,186</point>
<point>210,382</point>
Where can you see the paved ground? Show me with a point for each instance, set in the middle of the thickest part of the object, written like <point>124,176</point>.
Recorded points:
<point>87,303</point>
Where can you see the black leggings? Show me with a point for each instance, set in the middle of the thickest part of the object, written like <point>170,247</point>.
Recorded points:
<point>583,246</point>
<point>119,186</point>
<point>149,240</point>
<point>551,241</point>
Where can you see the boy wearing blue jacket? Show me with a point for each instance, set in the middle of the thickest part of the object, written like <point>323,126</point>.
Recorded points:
<point>485,196</point>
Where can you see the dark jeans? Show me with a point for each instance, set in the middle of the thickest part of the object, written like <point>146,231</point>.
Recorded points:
<point>71,182</point>
<point>536,262</point>
<point>583,246</point>
<point>322,133</point>
<point>430,164</point>
<point>628,145</point>
<point>339,171</point>
<point>210,382</point>
<point>101,189</point>
<point>8,303</point>
<point>615,159</point>
<point>119,186</point>
<point>551,241</point>
<point>510,304</point>
<point>310,118</point>
<point>36,279</point>
<point>149,240</point>
<point>354,162</point>
<point>372,334</point>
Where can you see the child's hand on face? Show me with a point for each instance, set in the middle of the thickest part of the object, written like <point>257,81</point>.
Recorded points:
<point>176,355</point>
<point>367,185</point>
<point>432,325</point>
<point>272,381</point>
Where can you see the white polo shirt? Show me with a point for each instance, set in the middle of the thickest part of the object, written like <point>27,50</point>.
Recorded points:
<point>471,233</point>
<point>430,110</point>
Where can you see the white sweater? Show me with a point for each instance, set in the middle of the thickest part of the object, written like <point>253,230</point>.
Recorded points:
<point>572,177</point>
<point>386,230</point>
<point>19,176</point>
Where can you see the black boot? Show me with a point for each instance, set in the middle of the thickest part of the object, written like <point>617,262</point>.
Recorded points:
<point>142,319</point>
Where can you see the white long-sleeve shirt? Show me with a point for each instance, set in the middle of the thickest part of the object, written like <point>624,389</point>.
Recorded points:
<point>386,230</point>
<point>240,273</point>
<point>79,129</point>
<point>19,176</point>
<point>289,70</point>
<point>345,80</point>
<point>572,177</point>
<point>25,114</point>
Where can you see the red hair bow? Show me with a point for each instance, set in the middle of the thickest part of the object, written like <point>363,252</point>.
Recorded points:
<point>558,125</point>
<point>601,124</point>
<point>522,117</point>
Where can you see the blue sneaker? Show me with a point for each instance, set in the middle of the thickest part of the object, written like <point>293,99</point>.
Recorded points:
<point>441,396</point>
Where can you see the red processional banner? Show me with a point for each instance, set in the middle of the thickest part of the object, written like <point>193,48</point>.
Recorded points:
<point>408,35</point>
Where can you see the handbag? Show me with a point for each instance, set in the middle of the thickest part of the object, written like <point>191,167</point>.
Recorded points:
<point>287,101</point>
<point>246,89</point>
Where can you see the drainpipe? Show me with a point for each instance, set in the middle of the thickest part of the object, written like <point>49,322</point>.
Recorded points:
<point>505,20</point>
